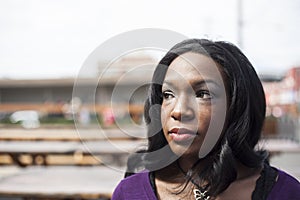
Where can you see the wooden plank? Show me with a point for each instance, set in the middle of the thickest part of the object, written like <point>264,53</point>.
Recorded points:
<point>31,147</point>
<point>70,134</point>
<point>54,147</point>
<point>108,147</point>
<point>61,182</point>
<point>279,145</point>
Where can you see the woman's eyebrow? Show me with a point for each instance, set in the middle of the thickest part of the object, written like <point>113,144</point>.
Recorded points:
<point>204,82</point>
<point>168,83</point>
<point>197,83</point>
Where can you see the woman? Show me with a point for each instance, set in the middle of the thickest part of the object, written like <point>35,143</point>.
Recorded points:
<point>205,112</point>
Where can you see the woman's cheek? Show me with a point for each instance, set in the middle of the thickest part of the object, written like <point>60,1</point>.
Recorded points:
<point>164,116</point>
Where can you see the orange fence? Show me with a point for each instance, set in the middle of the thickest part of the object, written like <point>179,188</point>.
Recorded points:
<point>58,108</point>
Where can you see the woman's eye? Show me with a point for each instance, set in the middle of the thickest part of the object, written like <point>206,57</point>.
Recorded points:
<point>168,95</point>
<point>203,94</point>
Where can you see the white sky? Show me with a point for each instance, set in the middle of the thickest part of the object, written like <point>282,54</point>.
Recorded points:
<point>52,38</point>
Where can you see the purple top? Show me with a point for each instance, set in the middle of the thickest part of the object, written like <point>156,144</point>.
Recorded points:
<point>138,187</point>
<point>285,188</point>
<point>135,187</point>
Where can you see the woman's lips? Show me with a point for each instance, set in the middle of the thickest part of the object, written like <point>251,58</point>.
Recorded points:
<point>181,134</point>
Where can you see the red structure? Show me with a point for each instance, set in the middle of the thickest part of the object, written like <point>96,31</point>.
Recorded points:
<point>282,98</point>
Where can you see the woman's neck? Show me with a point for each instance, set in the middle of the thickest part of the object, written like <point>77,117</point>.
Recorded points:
<point>244,172</point>
<point>178,169</point>
<point>188,162</point>
<point>170,174</point>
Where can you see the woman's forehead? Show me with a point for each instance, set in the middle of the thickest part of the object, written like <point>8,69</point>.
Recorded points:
<point>194,66</point>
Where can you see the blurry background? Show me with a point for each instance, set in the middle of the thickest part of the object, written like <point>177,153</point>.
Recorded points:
<point>43,45</point>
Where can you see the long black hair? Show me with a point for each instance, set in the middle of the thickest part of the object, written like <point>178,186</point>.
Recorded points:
<point>244,121</point>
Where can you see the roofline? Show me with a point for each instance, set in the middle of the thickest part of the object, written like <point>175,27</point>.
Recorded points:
<point>64,82</point>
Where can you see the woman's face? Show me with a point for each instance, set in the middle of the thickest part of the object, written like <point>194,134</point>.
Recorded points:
<point>194,104</point>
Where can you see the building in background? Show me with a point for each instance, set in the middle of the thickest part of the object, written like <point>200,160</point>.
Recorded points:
<point>123,85</point>
<point>283,104</point>
<point>120,84</point>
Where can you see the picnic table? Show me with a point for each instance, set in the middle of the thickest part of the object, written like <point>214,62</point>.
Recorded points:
<point>39,150</point>
<point>63,182</point>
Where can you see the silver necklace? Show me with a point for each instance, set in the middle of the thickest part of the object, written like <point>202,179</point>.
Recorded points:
<point>199,192</point>
<point>200,195</point>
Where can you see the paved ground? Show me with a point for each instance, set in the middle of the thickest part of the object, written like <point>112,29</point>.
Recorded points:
<point>61,182</point>
<point>289,162</point>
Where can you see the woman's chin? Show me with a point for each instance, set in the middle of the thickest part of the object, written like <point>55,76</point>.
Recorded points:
<point>184,150</point>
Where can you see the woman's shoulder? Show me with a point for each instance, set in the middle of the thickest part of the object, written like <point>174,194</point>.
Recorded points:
<point>136,186</point>
<point>136,179</point>
<point>286,187</point>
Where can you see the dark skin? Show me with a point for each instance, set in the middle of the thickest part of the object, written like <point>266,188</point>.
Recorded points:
<point>169,179</point>
<point>194,96</point>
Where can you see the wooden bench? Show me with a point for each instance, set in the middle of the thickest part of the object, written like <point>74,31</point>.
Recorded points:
<point>70,134</point>
<point>39,151</point>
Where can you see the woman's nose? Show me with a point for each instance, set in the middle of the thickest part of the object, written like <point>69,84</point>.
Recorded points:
<point>183,110</point>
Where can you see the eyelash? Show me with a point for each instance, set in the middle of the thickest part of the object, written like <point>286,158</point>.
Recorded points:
<point>167,94</point>
<point>199,94</point>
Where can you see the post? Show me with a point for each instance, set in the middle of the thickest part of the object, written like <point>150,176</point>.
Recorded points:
<point>240,23</point>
